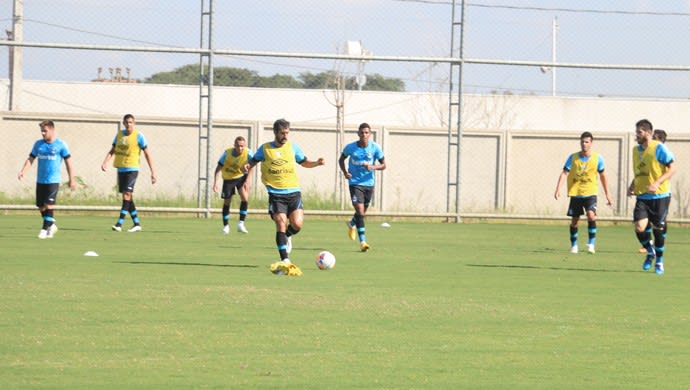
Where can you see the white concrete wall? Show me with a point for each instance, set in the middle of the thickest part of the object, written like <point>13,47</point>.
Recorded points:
<point>378,108</point>
<point>513,147</point>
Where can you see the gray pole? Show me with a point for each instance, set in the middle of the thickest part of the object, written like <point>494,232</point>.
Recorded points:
<point>16,55</point>
<point>209,171</point>
<point>205,109</point>
<point>455,114</point>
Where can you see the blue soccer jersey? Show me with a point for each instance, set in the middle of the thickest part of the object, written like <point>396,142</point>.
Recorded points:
<point>359,156</point>
<point>50,156</point>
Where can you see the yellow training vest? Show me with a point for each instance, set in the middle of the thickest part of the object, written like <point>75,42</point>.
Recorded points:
<point>233,166</point>
<point>648,169</point>
<point>582,178</point>
<point>127,150</point>
<point>278,170</point>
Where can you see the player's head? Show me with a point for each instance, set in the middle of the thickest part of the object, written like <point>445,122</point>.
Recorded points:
<point>586,139</point>
<point>47,129</point>
<point>281,129</point>
<point>645,125</point>
<point>659,135</point>
<point>364,132</point>
<point>128,121</point>
<point>240,144</point>
<point>643,131</point>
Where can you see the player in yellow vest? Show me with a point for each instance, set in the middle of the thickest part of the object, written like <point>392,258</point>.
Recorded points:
<point>658,135</point>
<point>231,163</point>
<point>127,146</point>
<point>279,160</point>
<point>581,170</point>
<point>653,166</point>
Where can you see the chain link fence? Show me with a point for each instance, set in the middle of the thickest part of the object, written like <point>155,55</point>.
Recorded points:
<point>534,78</point>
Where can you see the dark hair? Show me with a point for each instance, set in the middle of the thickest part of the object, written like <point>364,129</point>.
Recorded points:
<point>124,118</point>
<point>587,134</point>
<point>644,124</point>
<point>660,135</point>
<point>47,123</point>
<point>364,125</point>
<point>240,138</point>
<point>280,124</point>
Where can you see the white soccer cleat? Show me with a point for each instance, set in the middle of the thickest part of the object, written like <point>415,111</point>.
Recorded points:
<point>135,228</point>
<point>590,248</point>
<point>288,247</point>
<point>241,228</point>
<point>226,229</point>
<point>573,249</point>
<point>52,230</point>
<point>117,228</point>
<point>43,234</point>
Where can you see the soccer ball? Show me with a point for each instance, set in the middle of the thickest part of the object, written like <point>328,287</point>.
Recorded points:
<point>325,260</point>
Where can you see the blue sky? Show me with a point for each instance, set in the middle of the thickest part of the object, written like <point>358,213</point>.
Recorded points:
<point>612,31</point>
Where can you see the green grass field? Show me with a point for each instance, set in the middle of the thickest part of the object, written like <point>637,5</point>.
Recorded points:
<point>431,306</point>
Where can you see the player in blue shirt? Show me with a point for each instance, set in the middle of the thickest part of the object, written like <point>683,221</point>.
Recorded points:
<point>364,155</point>
<point>50,152</point>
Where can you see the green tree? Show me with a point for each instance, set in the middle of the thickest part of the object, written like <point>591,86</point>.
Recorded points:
<point>234,77</point>
<point>318,81</point>
<point>278,81</point>
<point>239,77</point>
<point>376,82</point>
<point>188,74</point>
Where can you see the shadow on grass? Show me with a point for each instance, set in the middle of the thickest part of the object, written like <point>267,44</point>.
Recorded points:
<point>549,268</point>
<point>193,264</point>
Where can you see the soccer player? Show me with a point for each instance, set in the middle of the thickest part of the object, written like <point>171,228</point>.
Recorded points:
<point>279,159</point>
<point>364,155</point>
<point>581,170</point>
<point>653,165</point>
<point>50,152</point>
<point>658,135</point>
<point>231,164</point>
<point>127,147</point>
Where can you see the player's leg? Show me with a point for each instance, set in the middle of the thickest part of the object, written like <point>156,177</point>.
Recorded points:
<point>649,230</point>
<point>365,194</point>
<point>244,206</point>
<point>660,229</point>
<point>277,208</point>
<point>352,223</point>
<point>361,228</point>
<point>133,213</point>
<point>640,222</point>
<point>226,195</point>
<point>295,212</point>
<point>573,228</point>
<point>591,208</point>
<point>660,246</point>
<point>122,184</point>
<point>575,210</point>
<point>46,196</point>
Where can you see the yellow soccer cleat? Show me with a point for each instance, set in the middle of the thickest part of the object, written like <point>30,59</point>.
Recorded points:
<point>363,246</point>
<point>351,231</point>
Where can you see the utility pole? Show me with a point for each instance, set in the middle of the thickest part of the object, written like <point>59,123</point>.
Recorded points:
<point>15,57</point>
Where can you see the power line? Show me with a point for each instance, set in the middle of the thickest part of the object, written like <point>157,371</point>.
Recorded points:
<point>96,33</point>
<point>551,9</point>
